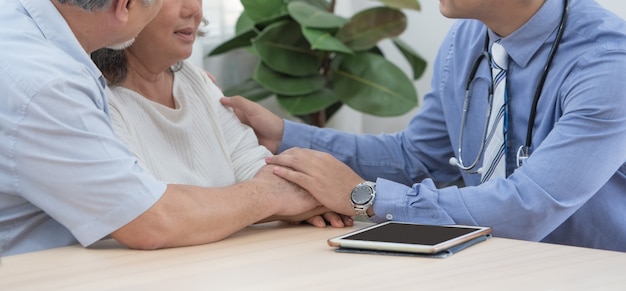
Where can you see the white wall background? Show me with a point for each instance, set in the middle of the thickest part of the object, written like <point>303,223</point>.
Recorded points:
<point>425,31</point>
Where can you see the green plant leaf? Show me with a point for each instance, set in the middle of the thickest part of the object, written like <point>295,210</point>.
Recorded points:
<point>293,39</point>
<point>249,89</point>
<point>369,83</point>
<point>263,10</point>
<point>402,4</point>
<point>283,48</point>
<point>370,26</point>
<point>240,40</point>
<point>323,40</point>
<point>287,85</point>
<point>418,64</point>
<point>244,23</point>
<point>322,4</point>
<point>329,112</point>
<point>311,16</point>
<point>306,104</point>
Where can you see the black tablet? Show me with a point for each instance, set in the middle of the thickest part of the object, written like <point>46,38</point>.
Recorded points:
<point>393,236</point>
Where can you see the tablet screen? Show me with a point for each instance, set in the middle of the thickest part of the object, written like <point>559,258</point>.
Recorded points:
<point>411,234</point>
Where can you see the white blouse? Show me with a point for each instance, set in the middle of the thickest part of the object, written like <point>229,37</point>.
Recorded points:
<point>199,142</point>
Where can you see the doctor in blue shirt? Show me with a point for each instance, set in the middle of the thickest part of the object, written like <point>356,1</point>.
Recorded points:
<point>565,185</point>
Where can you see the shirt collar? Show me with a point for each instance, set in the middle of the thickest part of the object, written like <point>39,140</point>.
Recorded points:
<point>56,30</point>
<point>525,42</point>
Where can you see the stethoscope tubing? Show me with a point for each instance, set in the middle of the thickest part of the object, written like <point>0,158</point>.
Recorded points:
<point>524,151</point>
<point>533,111</point>
<point>459,163</point>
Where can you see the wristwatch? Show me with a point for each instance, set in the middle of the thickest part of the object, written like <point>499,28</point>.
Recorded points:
<point>362,197</point>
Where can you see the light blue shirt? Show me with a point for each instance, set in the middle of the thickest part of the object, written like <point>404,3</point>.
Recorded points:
<point>572,189</point>
<point>64,176</point>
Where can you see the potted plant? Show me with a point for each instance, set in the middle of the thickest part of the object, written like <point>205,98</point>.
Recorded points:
<point>314,61</point>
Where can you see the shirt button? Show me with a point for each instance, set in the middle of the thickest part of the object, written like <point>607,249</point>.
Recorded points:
<point>389,216</point>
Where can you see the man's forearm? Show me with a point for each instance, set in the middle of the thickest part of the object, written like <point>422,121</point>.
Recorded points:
<point>188,215</point>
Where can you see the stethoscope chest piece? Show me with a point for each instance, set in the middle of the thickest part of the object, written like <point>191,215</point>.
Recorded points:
<point>523,152</point>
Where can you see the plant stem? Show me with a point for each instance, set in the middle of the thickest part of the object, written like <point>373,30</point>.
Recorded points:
<point>318,118</point>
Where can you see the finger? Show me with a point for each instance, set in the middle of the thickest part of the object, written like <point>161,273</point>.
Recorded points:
<point>347,220</point>
<point>290,159</point>
<point>317,221</point>
<point>334,219</point>
<point>302,159</point>
<point>298,178</point>
<point>229,102</point>
<point>233,103</point>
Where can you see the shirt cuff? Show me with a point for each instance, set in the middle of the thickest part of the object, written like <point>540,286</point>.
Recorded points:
<point>296,135</point>
<point>390,196</point>
<point>418,204</point>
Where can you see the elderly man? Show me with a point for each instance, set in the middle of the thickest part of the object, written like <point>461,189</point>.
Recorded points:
<point>64,176</point>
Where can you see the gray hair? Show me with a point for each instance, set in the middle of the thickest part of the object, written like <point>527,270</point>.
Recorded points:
<point>93,5</point>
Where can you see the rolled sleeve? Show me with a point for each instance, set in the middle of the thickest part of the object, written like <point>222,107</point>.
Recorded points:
<point>83,177</point>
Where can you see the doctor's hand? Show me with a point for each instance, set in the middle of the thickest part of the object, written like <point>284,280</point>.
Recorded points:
<point>326,178</point>
<point>267,126</point>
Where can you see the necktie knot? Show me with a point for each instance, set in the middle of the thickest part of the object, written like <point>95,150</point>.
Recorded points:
<point>499,56</point>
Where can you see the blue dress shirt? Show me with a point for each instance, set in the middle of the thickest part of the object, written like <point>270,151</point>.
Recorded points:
<point>572,189</point>
<point>64,176</point>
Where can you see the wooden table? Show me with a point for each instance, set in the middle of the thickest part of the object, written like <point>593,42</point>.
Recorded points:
<point>278,256</point>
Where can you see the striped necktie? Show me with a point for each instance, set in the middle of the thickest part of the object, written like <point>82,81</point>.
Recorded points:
<point>494,162</point>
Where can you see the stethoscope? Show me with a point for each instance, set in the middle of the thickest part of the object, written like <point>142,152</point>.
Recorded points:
<point>523,151</point>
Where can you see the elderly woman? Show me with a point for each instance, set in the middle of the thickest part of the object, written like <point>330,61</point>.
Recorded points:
<point>167,112</point>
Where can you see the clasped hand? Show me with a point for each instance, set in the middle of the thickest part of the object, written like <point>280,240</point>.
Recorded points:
<point>326,178</point>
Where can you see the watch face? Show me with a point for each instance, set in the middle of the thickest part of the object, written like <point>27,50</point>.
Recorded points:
<point>361,194</point>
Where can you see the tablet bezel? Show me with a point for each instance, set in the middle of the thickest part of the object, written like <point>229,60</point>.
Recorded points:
<point>344,241</point>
